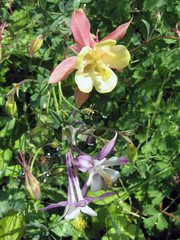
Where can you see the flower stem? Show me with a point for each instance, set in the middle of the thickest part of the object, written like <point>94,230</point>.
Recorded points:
<point>55,99</point>
<point>62,96</point>
<point>33,160</point>
<point>152,40</point>
<point>169,214</point>
<point>144,43</point>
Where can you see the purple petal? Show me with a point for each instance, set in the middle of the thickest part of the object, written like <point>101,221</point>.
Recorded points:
<point>83,163</point>
<point>123,161</point>
<point>80,203</point>
<point>60,204</point>
<point>90,140</point>
<point>107,149</point>
<point>90,199</point>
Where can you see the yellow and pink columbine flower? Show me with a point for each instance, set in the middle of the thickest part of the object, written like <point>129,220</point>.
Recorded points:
<point>94,59</point>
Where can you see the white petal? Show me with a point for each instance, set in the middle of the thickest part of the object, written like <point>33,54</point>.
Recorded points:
<point>88,211</point>
<point>114,175</point>
<point>96,183</point>
<point>84,81</point>
<point>105,80</point>
<point>91,173</point>
<point>73,212</point>
<point>113,161</point>
<point>65,212</point>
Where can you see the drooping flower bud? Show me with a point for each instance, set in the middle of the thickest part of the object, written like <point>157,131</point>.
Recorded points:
<point>31,183</point>
<point>32,186</point>
<point>35,45</point>
<point>11,107</point>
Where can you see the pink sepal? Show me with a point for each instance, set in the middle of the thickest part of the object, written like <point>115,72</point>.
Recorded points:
<point>119,32</point>
<point>63,70</point>
<point>176,30</point>
<point>80,97</point>
<point>80,26</point>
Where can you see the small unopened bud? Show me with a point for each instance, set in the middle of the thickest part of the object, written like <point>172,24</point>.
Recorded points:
<point>157,16</point>
<point>131,152</point>
<point>55,145</point>
<point>57,171</point>
<point>79,223</point>
<point>11,107</point>
<point>35,45</point>
<point>32,186</point>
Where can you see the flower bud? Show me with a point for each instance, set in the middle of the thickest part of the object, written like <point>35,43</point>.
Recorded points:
<point>131,152</point>
<point>32,186</point>
<point>57,172</point>
<point>35,45</point>
<point>11,107</point>
<point>31,183</point>
<point>157,16</point>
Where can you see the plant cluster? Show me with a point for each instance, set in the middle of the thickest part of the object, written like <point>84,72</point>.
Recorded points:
<point>93,98</point>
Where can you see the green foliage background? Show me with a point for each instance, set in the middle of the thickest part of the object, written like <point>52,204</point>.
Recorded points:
<point>145,107</point>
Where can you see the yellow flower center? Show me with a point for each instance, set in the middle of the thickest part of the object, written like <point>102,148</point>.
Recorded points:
<point>79,223</point>
<point>106,177</point>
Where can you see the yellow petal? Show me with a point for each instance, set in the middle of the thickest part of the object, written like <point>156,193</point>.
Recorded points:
<point>82,58</point>
<point>104,47</point>
<point>105,81</point>
<point>84,81</point>
<point>118,57</point>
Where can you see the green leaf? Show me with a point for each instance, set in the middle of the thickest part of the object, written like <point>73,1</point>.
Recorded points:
<point>115,225</point>
<point>147,26</point>
<point>56,116</point>
<point>13,171</point>
<point>4,206</point>
<point>150,222</point>
<point>12,226</point>
<point>150,210</point>
<point>161,223</point>
<point>20,19</point>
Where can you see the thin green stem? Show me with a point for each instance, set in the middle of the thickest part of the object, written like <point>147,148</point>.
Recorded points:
<point>60,93</point>
<point>33,160</point>
<point>152,40</point>
<point>125,190</point>
<point>55,99</point>
<point>72,106</point>
<point>145,43</point>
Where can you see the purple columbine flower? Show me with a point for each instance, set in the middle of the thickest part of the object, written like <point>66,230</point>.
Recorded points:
<point>73,206</point>
<point>100,176</point>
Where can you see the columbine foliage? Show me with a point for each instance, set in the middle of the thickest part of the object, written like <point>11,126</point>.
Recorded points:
<point>83,129</point>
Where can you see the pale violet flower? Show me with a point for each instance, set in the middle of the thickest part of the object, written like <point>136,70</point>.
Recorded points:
<point>100,175</point>
<point>75,205</point>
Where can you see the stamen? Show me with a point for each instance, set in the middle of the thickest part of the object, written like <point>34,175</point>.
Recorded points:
<point>79,223</point>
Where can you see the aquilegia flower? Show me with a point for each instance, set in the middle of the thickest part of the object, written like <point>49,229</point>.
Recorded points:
<point>74,206</point>
<point>94,59</point>
<point>100,176</point>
